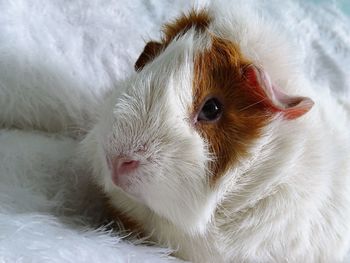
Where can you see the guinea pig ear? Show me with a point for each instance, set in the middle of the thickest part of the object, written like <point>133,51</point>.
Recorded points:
<point>291,107</point>
<point>150,51</point>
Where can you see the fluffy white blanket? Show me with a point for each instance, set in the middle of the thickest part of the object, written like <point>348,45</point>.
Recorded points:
<point>48,211</point>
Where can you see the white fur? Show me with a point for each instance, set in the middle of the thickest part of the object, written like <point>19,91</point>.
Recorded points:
<point>288,202</point>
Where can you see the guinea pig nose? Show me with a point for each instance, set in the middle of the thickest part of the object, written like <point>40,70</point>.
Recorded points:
<point>124,165</point>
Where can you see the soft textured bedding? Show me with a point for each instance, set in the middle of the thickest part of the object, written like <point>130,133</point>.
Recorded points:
<point>49,211</point>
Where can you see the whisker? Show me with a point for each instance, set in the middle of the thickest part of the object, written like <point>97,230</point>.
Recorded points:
<point>251,105</point>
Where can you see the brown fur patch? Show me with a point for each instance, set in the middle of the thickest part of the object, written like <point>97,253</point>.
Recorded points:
<point>219,72</point>
<point>150,51</point>
<point>197,20</point>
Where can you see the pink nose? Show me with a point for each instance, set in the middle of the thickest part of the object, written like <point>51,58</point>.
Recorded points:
<point>122,165</point>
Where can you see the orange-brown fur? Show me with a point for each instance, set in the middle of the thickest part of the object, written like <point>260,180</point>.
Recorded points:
<point>150,51</point>
<point>197,20</point>
<point>219,72</point>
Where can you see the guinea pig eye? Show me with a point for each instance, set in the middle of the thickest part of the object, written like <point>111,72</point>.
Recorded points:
<point>211,110</point>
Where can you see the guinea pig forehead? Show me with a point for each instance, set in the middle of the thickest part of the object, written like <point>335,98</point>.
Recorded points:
<point>216,60</point>
<point>172,71</point>
<point>183,64</point>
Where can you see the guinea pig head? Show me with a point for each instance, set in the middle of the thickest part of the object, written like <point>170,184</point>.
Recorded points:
<point>183,120</point>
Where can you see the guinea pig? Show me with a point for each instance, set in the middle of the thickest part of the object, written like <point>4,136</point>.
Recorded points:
<point>219,148</point>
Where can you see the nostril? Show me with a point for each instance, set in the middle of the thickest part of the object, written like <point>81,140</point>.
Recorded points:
<point>123,165</point>
<point>129,165</point>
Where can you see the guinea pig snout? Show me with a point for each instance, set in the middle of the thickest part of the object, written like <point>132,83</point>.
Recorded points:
<point>122,166</point>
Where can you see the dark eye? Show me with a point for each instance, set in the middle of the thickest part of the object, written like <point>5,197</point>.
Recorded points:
<point>211,110</point>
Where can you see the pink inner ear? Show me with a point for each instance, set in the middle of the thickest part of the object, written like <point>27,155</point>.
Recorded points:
<point>273,97</point>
